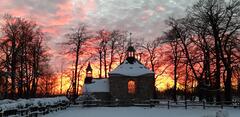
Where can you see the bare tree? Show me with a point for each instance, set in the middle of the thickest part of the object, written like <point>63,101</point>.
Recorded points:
<point>172,38</point>
<point>223,21</point>
<point>5,65</point>
<point>11,30</point>
<point>122,47</point>
<point>103,37</point>
<point>114,44</point>
<point>22,48</point>
<point>76,40</point>
<point>152,48</point>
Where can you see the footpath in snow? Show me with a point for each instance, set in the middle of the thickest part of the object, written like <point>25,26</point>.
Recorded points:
<point>142,112</point>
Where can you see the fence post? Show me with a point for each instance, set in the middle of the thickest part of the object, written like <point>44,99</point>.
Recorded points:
<point>1,114</point>
<point>185,104</point>
<point>204,105</point>
<point>168,104</point>
<point>238,103</point>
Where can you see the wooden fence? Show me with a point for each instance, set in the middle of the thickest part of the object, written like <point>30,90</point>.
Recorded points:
<point>160,103</point>
<point>33,111</point>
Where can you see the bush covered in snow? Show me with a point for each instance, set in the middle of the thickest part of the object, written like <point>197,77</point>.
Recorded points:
<point>34,102</point>
<point>5,101</point>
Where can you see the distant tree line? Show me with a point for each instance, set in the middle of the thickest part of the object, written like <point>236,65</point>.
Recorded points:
<point>207,43</point>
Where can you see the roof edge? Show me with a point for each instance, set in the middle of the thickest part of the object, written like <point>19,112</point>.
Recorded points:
<point>131,75</point>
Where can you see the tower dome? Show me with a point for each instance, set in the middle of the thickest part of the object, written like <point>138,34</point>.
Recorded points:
<point>88,78</point>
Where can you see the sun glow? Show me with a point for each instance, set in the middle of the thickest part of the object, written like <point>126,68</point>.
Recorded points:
<point>63,83</point>
<point>165,82</point>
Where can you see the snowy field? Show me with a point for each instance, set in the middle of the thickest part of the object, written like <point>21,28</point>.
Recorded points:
<point>142,112</point>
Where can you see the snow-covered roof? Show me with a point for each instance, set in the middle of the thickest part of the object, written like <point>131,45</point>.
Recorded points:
<point>131,69</point>
<point>97,85</point>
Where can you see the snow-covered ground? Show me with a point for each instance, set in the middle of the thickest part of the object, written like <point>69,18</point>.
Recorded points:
<point>142,112</point>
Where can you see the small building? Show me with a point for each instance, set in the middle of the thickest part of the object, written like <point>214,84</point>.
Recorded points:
<point>97,88</point>
<point>131,80</point>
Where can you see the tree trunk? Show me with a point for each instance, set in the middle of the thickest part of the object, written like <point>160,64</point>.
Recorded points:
<point>6,77</point>
<point>185,83</point>
<point>105,62</point>
<point>175,79</point>
<point>217,64</point>
<point>152,65</point>
<point>27,77</point>
<point>21,74</point>
<point>6,87</point>
<point>111,60</point>
<point>207,73</point>
<point>20,88</point>
<point>228,85</point>
<point>75,73</point>
<point>13,69</point>
<point>100,62</point>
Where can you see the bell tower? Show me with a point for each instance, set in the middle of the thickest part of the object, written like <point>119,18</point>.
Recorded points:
<point>89,77</point>
<point>130,51</point>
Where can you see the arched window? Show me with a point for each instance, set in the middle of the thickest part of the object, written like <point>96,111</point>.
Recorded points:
<point>89,74</point>
<point>131,87</point>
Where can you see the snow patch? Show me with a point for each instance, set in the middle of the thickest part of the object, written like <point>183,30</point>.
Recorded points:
<point>222,113</point>
<point>140,112</point>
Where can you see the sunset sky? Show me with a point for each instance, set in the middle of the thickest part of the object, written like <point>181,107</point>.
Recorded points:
<point>144,18</point>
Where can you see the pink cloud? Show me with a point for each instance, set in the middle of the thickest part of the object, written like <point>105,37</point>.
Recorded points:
<point>64,13</point>
<point>160,8</point>
<point>84,8</point>
<point>147,14</point>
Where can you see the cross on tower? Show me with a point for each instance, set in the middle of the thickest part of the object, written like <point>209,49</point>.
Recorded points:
<point>130,39</point>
